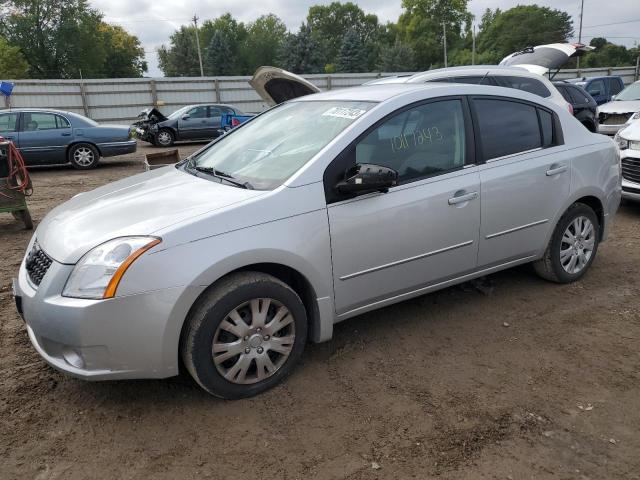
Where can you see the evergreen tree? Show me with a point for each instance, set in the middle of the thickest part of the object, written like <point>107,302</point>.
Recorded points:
<point>219,58</point>
<point>301,52</point>
<point>353,54</point>
<point>397,58</point>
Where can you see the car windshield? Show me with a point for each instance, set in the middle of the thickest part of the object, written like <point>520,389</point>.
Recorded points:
<point>178,112</point>
<point>632,92</point>
<point>267,150</point>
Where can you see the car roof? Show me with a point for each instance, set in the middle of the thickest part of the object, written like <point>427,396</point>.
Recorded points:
<point>463,71</point>
<point>41,110</point>
<point>383,92</point>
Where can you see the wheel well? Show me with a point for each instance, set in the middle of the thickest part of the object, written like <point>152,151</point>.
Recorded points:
<point>595,205</point>
<point>589,125</point>
<point>296,281</point>
<point>71,145</point>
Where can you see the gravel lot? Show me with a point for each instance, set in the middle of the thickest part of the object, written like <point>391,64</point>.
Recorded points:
<point>515,378</point>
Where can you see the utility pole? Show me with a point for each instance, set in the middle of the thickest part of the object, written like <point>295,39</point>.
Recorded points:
<point>444,30</point>
<point>580,30</point>
<point>473,50</point>
<point>195,22</point>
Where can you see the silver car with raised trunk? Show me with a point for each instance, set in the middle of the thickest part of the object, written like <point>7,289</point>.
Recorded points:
<point>322,208</point>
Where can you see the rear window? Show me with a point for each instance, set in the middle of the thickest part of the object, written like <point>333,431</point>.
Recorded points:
<point>526,84</point>
<point>579,97</point>
<point>564,91</point>
<point>507,127</point>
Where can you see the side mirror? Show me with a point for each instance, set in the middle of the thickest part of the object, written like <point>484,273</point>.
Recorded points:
<point>186,117</point>
<point>613,97</point>
<point>367,178</point>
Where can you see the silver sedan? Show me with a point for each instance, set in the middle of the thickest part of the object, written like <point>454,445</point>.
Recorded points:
<point>320,209</point>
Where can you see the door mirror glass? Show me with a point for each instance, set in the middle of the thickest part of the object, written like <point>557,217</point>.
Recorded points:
<point>186,116</point>
<point>367,178</point>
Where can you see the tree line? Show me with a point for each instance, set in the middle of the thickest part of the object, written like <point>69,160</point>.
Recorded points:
<point>68,38</point>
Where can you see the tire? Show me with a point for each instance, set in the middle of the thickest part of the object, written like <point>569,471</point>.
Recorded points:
<point>84,156</point>
<point>164,138</point>
<point>255,346</point>
<point>568,256</point>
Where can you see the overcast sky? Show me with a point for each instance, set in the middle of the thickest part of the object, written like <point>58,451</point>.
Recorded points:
<point>153,21</point>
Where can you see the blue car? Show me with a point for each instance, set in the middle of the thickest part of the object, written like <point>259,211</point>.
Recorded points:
<point>602,89</point>
<point>49,137</point>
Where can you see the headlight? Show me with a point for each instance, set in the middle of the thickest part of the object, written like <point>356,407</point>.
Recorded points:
<point>99,272</point>
<point>623,143</point>
<point>634,145</point>
<point>635,116</point>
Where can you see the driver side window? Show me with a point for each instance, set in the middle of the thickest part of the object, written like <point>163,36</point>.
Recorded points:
<point>423,141</point>
<point>198,112</point>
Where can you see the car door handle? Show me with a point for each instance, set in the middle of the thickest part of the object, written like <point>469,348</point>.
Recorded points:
<point>66,134</point>
<point>556,169</point>
<point>463,197</point>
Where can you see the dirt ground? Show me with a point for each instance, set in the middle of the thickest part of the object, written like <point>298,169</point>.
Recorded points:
<point>526,380</point>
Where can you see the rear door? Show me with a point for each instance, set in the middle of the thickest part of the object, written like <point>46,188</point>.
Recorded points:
<point>425,230</point>
<point>44,137</point>
<point>524,180</point>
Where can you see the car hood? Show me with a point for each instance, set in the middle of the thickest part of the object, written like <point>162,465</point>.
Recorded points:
<point>543,58</point>
<point>151,114</point>
<point>632,132</point>
<point>276,85</point>
<point>138,205</point>
<point>620,106</point>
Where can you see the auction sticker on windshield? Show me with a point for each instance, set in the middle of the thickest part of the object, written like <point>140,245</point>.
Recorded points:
<point>343,112</point>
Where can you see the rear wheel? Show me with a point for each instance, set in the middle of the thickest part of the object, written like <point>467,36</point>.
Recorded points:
<point>573,246</point>
<point>244,336</point>
<point>83,156</point>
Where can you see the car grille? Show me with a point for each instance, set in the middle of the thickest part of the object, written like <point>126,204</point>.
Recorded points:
<point>37,264</point>
<point>631,169</point>
<point>614,118</point>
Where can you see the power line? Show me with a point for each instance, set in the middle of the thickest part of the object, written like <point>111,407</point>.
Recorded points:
<point>613,23</point>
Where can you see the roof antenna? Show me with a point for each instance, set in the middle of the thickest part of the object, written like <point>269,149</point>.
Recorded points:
<point>482,79</point>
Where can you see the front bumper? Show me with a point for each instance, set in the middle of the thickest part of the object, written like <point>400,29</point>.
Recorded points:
<point>134,336</point>
<point>609,129</point>
<point>630,188</point>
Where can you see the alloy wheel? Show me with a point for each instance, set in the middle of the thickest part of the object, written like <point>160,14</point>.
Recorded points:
<point>83,156</point>
<point>253,341</point>
<point>577,244</point>
<point>164,138</point>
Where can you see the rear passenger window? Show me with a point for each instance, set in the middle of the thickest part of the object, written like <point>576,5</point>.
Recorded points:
<point>546,127</point>
<point>615,86</point>
<point>506,127</point>
<point>422,141</point>
<point>526,84</point>
<point>596,88</point>
<point>564,91</point>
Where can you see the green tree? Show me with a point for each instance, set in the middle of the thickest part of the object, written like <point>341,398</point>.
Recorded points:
<point>264,40</point>
<point>329,24</point>
<point>60,38</point>
<point>353,55</point>
<point>12,63</point>
<point>506,32</point>
<point>607,54</point>
<point>219,55</point>
<point>398,57</point>
<point>422,25</point>
<point>235,34</point>
<point>180,59</point>
<point>124,53</point>
<point>301,52</point>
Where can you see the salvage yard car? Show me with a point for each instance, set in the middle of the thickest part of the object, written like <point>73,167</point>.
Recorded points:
<point>621,111</point>
<point>232,260</point>
<point>628,141</point>
<point>49,137</point>
<point>193,122</point>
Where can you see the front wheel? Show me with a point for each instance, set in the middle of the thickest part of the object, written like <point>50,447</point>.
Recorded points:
<point>83,156</point>
<point>244,336</point>
<point>573,246</point>
<point>164,138</point>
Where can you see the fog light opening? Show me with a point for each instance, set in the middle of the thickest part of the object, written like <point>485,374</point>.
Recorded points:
<point>72,357</point>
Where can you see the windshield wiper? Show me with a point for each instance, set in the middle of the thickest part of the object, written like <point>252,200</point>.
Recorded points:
<point>223,176</point>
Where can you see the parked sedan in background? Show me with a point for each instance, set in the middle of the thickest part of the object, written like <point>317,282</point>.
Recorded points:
<point>46,137</point>
<point>628,140</point>
<point>585,108</point>
<point>193,122</point>
<point>602,89</point>
<point>621,111</point>
<point>320,209</point>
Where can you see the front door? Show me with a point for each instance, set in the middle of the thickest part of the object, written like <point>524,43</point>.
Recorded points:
<point>525,180</point>
<point>386,246</point>
<point>194,123</point>
<point>44,138</point>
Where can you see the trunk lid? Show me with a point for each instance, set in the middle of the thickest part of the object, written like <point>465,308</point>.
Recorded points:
<point>276,85</point>
<point>543,58</point>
